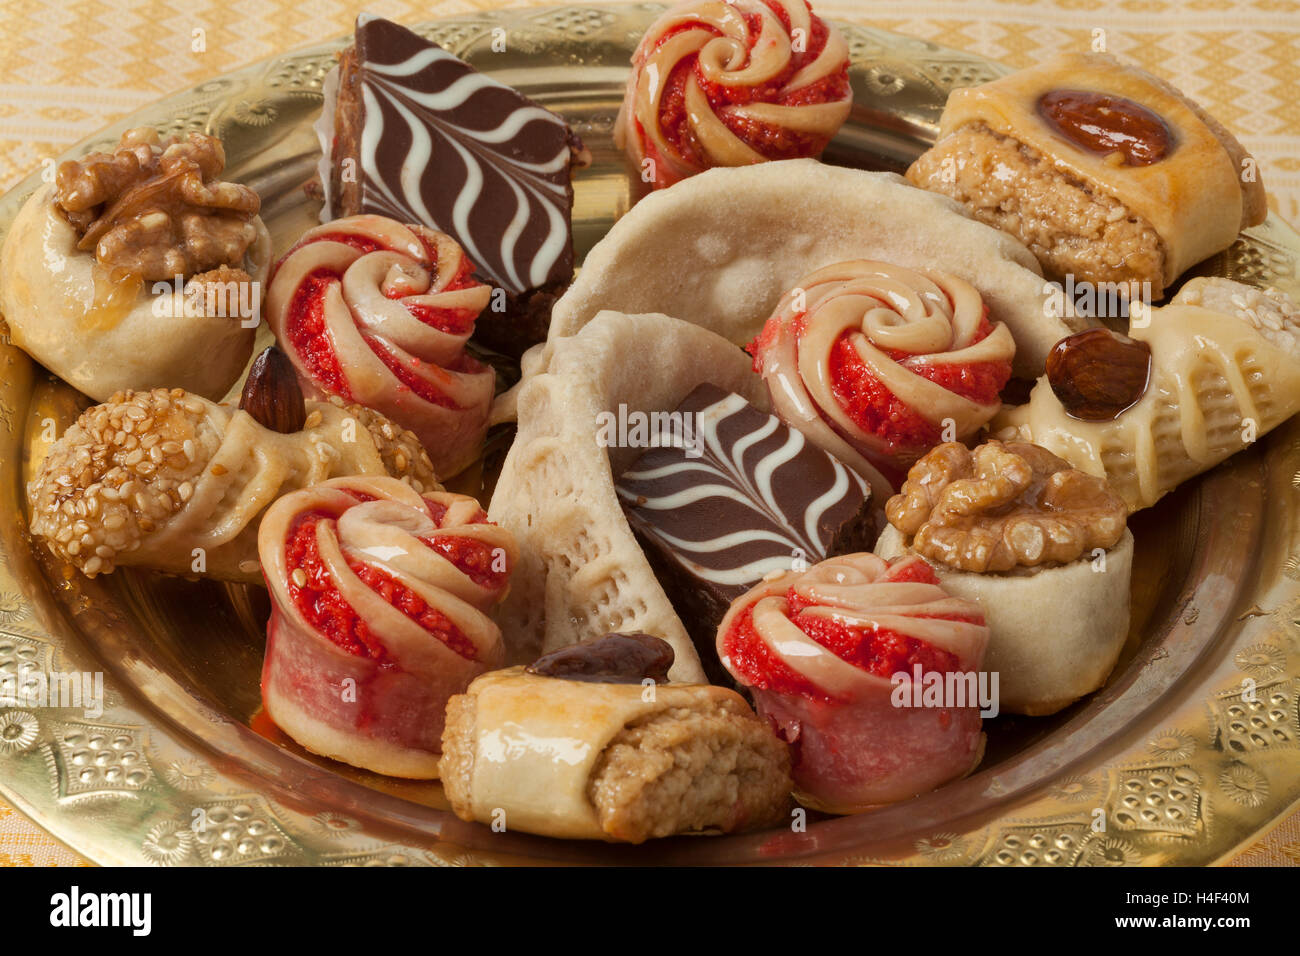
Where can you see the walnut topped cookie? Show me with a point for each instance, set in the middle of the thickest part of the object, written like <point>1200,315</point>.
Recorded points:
<point>145,245</point>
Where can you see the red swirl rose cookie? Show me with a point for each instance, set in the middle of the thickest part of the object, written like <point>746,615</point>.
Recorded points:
<point>877,364</point>
<point>379,616</point>
<point>731,84</point>
<point>818,650</point>
<point>378,313</point>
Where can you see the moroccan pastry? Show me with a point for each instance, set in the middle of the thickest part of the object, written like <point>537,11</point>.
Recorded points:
<point>1107,173</point>
<point>1200,379</point>
<point>1042,547</point>
<point>722,248</point>
<point>727,494</point>
<point>378,313</point>
<point>877,364</point>
<point>609,751</point>
<point>379,615</point>
<point>170,481</point>
<point>138,268</point>
<point>820,651</point>
<point>581,571</point>
<point>411,132</point>
<point>730,84</point>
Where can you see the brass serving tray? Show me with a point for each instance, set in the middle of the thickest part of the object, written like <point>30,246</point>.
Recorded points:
<point>1188,752</point>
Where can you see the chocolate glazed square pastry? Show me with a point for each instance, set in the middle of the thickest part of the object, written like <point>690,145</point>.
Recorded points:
<point>413,133</point>
<point>732,497</point>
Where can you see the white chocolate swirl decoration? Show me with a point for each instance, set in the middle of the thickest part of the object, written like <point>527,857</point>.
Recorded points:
<point>378,313</point>
<point>863,357</point>
<point>731,84</point>
<point>861,592</point>
<point>1225,370</point>
<point>374,582</point>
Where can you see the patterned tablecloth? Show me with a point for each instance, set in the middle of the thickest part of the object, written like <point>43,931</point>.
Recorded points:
<point>69,69</point>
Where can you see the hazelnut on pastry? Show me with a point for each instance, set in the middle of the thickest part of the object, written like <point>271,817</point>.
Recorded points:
<point>1045,550</point>
<point>138,268</point>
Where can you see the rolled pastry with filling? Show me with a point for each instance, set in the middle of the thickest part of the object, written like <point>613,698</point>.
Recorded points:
<point>1199,380</point>
<point>610,752</point>
<point>173,482</point>
<point>378,313</point>
<point>1106,172</point>
<point>731,84</point>
<point>876,364</point>
<point>379,615</point>
<point>835,658</point>
<point>138,268</point>
<point>1043,548</point>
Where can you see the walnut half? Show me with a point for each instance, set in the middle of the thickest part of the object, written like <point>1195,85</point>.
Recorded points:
<point>1003,506</point>
<point>155,209</point>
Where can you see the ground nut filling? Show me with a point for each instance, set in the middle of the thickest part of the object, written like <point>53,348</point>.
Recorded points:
<point>155,209</point>
<point>1004,506</point>
<point>1070,228</point>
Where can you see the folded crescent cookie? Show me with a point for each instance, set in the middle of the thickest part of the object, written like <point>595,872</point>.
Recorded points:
<point>579,759</point>
<point>1107,173</point>
<point>1043,549</point>
<point>138,269</point>
<point>1200,379</point>
<point>174,482</point>
<point>379,615</point>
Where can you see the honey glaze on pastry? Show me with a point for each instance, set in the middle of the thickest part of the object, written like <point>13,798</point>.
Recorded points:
<point>378,313</point>
<point>875,362</point>
<point>138,268</point>
<point>819,650</point>
<point>1107,173</point>
<point>382,591</point>
<point>1224,369</point>
<point>1042,547</point>
<point>174,482</point>
<point>731,84</point>
<point>618,760</point>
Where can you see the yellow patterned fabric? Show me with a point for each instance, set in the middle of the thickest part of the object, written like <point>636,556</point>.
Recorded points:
<point>68,70</point>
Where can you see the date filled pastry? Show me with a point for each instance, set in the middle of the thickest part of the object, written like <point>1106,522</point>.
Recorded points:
<point>1106,172</point>
<point>877,364</point>
<point>378,313</point>
<point>1042,547</point>
<point>591,742</point>
<point>173,482</point>
<point>1198,380</point>
<point>819,651</point>
<point>731,84</point>
<point>380,599</point>
<point>138,268</point>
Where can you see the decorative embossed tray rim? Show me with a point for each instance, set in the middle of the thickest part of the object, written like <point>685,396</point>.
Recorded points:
<point>1168,730</point>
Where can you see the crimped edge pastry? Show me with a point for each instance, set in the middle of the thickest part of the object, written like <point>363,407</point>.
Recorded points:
<point>722,248</point>
<point>581,572</point>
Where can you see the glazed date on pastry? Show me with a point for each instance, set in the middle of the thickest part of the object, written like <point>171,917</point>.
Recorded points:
<point>372,582</point>
<point>1224,370</point>
<point>378,313</point>
<point>1106,172</point>
<point>607,761</point>
<point>730,497</point>
<point>612,659</point>
<point>731,84</point>
<point>173,482</point>
<point>819,650</point>
<point>875,362</point>
<point>430,140</point>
